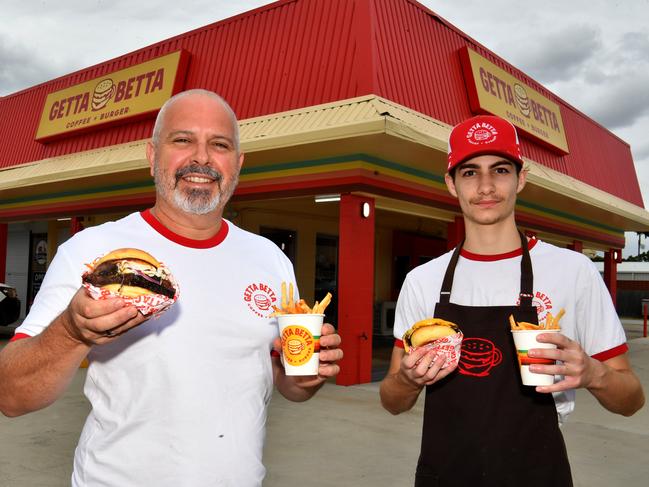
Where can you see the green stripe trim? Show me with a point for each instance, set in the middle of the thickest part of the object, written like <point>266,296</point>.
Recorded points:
<point>283,166</point>
<point>80,192</point>
<point>270,168</point>
<point>567,216</point>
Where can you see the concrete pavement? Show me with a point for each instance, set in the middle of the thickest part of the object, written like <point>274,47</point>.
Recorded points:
<point>342,437</point>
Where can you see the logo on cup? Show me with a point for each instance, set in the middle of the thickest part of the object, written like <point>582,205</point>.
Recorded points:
<point>478,357</point>
<point>298,345</point>
<point>294,346</point>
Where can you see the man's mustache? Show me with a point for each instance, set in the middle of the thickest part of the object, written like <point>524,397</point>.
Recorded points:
<point>198,169</point>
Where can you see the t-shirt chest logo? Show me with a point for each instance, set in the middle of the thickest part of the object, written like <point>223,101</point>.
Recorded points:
<point>260,298</point>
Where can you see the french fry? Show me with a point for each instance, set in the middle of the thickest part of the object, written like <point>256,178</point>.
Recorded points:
<point>304,307</point>
<point>324,303</point>
<point>549,320</point>
<point>512,322</point>
<point>291,306</point>
<point>551,323</point>
<point>555,323</point>
<point>284,300</point>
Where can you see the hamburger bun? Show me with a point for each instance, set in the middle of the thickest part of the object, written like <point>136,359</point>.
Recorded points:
<point>427,331</point>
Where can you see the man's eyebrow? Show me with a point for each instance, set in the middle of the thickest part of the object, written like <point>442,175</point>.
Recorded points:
<point>175,133</point>
<point>501,162</point>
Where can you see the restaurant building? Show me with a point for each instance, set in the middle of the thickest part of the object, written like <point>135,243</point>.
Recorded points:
<point>345,108</point>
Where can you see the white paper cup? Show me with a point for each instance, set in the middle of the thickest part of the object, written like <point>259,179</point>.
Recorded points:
<point>300,335</point>
<point>525,340</point>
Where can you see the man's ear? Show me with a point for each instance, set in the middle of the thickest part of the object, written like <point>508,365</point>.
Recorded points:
<point>150,155</point>
<point>450,184</point>
<point>522,179</point>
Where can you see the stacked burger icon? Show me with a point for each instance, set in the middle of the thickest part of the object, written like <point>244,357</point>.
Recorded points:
<point>103,93</point>
<point>522,100</point>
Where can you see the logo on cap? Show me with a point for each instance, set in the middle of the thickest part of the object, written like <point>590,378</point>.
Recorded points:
<point>481,133</point>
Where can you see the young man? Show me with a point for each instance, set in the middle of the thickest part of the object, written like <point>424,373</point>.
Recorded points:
<point>482,427</point>
<point>179,400</point>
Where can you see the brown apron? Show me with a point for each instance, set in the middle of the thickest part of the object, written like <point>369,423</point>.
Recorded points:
<point>482,427</point>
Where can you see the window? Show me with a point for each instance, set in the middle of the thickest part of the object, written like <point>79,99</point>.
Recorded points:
<point>285,239</point>
<point>326,273</point>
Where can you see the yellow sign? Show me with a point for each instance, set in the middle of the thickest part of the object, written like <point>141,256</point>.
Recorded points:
<point>130,92</point>
<point>495,91</point>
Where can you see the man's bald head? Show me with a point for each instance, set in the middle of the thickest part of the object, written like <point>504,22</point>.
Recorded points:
<point>159,122</point>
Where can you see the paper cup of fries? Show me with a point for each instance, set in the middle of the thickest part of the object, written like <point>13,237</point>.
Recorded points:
<point>300,327</point>
<point>525,338</point>
<point>300,335</point>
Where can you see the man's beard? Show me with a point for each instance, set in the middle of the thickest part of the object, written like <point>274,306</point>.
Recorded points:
<point>194,201</point>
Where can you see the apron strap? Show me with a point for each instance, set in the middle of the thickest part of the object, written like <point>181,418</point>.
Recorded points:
<point>447,283</point>
<point>527,276</point>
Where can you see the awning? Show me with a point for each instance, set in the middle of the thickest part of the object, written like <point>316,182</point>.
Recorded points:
<point>404,143</point>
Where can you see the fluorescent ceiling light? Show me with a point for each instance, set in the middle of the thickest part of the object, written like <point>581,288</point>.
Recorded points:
<point>324,198</point>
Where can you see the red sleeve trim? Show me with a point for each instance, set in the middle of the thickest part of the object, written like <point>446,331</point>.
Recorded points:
<point>613,352</point>
<point>274,353</point>
<point>19,336</point>
<point>398,343</point>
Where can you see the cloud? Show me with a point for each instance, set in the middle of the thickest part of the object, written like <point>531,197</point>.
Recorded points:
<point>21,67</point>
<point>622,103</point>
<point>558,55</point>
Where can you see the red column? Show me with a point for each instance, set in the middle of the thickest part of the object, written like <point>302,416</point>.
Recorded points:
<point>610,272</point>
<point>577,246</point>
<point>356,288</point>
<point>76,224</point>
<point>455,232</point>
<point>4,232</point>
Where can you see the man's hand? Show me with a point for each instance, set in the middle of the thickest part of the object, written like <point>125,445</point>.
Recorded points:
<point>423,367</point>
<point>96,322</point>
<point>612,381</point>
<point>578,369</point>
<point>407,376</point>
<point>301,388</point>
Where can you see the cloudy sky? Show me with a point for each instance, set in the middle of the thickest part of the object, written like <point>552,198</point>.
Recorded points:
<point>592,53</point>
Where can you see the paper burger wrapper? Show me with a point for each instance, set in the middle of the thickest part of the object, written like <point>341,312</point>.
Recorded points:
<point>147,304</point>
<point>450,346</point>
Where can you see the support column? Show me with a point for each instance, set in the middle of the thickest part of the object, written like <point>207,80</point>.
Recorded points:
<point>76,224</point>
<point>455,232</point>
<point>356,288</point>
<point>4,233</point>
<point>577,246</point>
<point>610,272</point>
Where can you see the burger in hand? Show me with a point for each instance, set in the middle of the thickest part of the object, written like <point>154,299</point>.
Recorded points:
<point>134,275</point>
<point>436,334</point>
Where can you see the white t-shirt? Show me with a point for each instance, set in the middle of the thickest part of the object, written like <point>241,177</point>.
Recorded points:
<point>562,279</point>
<point>181,400</point>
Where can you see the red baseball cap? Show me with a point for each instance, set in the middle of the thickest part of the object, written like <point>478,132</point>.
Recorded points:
<point>481,135</point>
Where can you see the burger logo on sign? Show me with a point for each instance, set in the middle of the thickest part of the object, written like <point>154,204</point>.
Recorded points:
<point>522,100</point>
<point>481,133</point>
<point>103,93</point>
